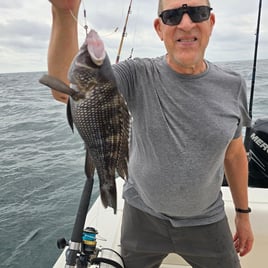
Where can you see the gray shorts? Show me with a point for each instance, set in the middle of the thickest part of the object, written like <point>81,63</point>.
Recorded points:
<point>146,241</point>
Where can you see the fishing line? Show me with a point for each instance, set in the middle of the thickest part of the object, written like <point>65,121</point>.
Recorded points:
<point>86,23</point>
<point>85,17</point>
<point>135,30</point>
<point>111,33</point>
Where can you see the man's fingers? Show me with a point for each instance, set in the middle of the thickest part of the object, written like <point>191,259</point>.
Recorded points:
<point>242,246</point>
<point>245,247</point>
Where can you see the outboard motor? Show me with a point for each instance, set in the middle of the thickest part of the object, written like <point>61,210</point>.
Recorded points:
<point>258,154</point>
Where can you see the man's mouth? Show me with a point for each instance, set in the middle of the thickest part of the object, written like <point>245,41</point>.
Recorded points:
<point>185,40</point>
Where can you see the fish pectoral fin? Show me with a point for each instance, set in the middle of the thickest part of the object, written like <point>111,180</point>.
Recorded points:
<point>58,85</point>
<point>69,115</point>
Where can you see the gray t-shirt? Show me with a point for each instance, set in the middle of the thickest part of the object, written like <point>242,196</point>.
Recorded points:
<point>181,128</point>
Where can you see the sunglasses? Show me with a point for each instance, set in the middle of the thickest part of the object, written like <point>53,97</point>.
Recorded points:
<point>174,16</point>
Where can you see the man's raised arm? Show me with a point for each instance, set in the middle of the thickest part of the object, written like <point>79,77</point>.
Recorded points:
<point>63,44</point>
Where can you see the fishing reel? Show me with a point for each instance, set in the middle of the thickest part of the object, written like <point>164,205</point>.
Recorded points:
<point>87,249</point>
<point>89,242</point>
<point>88,253</point>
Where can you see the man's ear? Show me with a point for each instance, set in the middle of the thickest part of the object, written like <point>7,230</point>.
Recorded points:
<point>212,21</point>
<point>158,28</point>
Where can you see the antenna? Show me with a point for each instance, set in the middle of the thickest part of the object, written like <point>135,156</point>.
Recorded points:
<point>248,130</point>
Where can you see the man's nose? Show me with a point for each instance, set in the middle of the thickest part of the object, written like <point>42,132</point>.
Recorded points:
<point>186,22</point>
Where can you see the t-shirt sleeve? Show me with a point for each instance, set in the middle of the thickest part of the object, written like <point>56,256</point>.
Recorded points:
<point>124,74</point>
<point>245,120</point>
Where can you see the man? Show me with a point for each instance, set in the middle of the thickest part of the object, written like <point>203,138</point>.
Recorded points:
<point>187,121</point>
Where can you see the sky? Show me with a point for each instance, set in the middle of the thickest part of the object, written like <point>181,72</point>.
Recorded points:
<point>25,31</point>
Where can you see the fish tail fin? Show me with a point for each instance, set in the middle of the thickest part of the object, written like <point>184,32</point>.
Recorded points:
<point>108,195</point>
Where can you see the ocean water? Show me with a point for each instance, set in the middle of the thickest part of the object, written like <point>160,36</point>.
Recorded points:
<point>42,166</point>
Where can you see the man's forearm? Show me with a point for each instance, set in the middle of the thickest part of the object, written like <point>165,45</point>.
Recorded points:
<point>236,171</point>
<point>63,46</point>
<point>238,183</point>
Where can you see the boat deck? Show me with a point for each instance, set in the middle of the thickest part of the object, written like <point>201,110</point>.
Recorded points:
<point>108,226</point>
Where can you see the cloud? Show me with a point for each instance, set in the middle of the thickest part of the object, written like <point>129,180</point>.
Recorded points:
<point>23,45</point>
<point>234,32</point>
<point>24,27</point>
<point>24,35</point>
<point>15,4</point>
<point>16,30</point>
<point>25,30</point>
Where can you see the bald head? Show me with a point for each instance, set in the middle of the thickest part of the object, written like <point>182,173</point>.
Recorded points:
<point>161,5</point>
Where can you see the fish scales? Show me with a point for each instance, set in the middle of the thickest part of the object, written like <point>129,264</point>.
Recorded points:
<point>100,126</point>
<point>99,113</point>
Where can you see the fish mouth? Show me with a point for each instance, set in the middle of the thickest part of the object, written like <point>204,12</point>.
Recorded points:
<point>95,48</point>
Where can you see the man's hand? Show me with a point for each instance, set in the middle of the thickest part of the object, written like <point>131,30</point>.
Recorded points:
<point>66,4</point>
<point>243,239</point>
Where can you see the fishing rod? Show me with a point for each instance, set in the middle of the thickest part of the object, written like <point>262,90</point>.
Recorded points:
<point>248,129</point>
<point>82,250</point>
<point>76,245</point>
<point>123,33</point>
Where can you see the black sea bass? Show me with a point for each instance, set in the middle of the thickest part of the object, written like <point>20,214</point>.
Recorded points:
<point>99,113</point>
